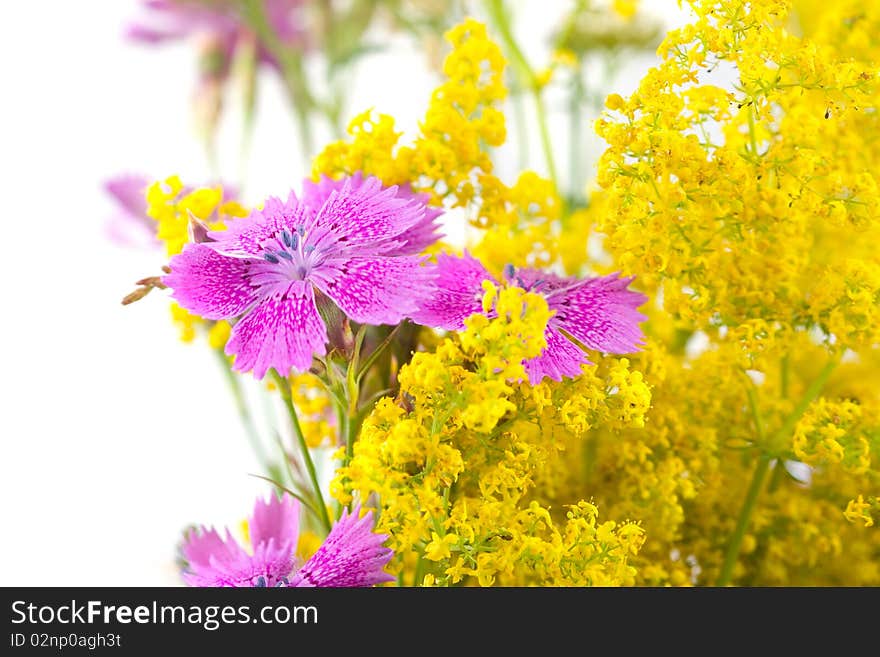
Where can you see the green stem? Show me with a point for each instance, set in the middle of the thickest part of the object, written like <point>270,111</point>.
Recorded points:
<point>243,411</point>
<point>753,407</point>
<point>210,145</point>
<point>351,431</point>
<point>772,449</point>
<point>304,125</point>
<point>546,144</point>
<point>742,523</point>
<point>522,134</point>
<point>284,388</point>
<point>528,79</point>
<point>417,576</point>
<point>752,137</point>
<point>575,147</point>
<point>777,441</point>
<point>776,477</point>
<point>292,71</point>
<point>378,351</point>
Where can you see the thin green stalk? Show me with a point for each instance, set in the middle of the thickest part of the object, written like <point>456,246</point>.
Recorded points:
<point>378,351</point>
<point>308,505</point>
<point>528,79</point>
<point>417,576</point>
<point>522,135</point>
<point>304,125</point>
<point>753,407</point>
<point>772,449</point>
<point>284,387</point>
<point>575,145</point>
<point>778,440</point>
<point>742,522</point>
<point>546,144</point>
<point>292,71</point>
<point>210,144</point>
<point>244,154</point>
<point>752,137</point>
<point>776,477</point>
<point>351,429</point>
<point>244,413</point>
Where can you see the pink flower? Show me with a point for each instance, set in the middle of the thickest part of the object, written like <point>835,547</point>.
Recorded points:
<point>600,313</point>
<point>354,243</point>
<point>351,555</point>
<point>130,225</point>
<point>218,22</point>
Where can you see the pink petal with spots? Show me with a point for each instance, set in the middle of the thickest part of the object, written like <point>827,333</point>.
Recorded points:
<point>382,290</point>
<point>245,236</point>
<point>459,293</point>
<point>351,555</point>
<point>411,241</point>
<point>208,554</point>
<point>561,357</point>
<point>283,331</point>
<point>209,284</point>
<point>276,519</point>
<point>363,213</point>
<point>601,314</point>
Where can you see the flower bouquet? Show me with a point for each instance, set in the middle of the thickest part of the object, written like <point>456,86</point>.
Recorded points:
<point>498,361</point>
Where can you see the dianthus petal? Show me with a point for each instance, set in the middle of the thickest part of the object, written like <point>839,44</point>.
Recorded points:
<point>459,293</point>
<point>411,241</point>
<point>382,290</point>
<point>361,214</point>
<point>283,331</point>
<point>352,555</point>
<point>276,519</point>
<point>601,313</point>
<point>245,236</point>
<point>210,556</point>
<point>210,284</point>
<point>130,191</point>
<point>561,357</point>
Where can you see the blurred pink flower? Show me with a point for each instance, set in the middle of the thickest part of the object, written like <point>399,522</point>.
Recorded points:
<point>218,23</point>
<point>351,555</point>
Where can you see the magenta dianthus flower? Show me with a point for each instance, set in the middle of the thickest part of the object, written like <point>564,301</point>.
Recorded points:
<point>600,313</point>
<point>354,242</point>
<point>351,555</point>
<point>414,240</point>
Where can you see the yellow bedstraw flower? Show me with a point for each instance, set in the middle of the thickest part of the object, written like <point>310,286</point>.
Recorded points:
<point>171,205</point>
<point>456,460</point>
<point>450,157</point>
<point>749,214</point>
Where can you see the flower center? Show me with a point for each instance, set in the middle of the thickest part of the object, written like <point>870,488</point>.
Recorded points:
<point>523,279</point>
<point>286,257</point>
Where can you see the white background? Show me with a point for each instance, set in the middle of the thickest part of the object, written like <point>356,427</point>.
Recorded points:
<point>114,434</point>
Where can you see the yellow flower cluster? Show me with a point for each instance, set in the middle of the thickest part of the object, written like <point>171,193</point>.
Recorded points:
<point>450,157</point>
<point>748,211</point>
<point>314,408</point>
<point>745,204</point>
<point>832,431</point>
<point>685,473</point>
<point>859,510</point>
<point>171,205</point>
<point>464,463</point>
